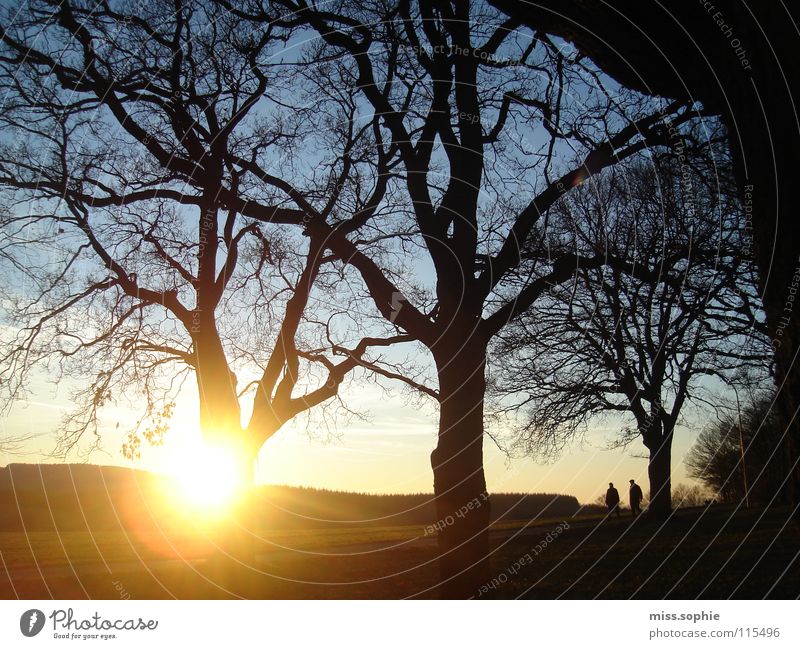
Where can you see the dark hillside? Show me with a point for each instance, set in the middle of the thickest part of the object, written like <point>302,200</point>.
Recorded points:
<point>80,497</point>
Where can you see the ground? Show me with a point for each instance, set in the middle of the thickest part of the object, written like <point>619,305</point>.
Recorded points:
<point>714,553</point>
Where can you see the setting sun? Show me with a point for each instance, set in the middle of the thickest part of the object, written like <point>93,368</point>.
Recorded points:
<point>208,478</point>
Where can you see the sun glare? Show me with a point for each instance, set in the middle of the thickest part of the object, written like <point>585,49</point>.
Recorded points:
<point>208,478</point>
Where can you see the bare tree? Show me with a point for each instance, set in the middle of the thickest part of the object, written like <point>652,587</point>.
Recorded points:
<point>133,139</point>
<point>493,126</point>
<point>737,69</point>
<point>684,495</point>
<point>642,344</point>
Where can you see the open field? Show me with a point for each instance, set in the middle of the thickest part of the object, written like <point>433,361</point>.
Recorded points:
<point>715,553</point>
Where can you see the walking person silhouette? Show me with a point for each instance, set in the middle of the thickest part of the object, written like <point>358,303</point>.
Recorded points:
<point>635,495</point>
<point>612,500</point>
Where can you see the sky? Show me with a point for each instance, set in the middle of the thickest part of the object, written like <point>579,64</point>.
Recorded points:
<point>389,453</point>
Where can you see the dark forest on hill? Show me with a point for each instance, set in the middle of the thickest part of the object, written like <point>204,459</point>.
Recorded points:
<point>80,497</point>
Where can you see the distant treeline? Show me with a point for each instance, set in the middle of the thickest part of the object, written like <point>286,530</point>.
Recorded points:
<point>290,507</point>
<point>81,497</point>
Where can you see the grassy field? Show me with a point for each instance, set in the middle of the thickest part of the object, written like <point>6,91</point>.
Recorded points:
<point>717,553</point>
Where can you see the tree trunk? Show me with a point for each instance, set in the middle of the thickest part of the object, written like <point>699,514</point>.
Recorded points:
<point>768,202</point>
<point>220,414</point>
<point>231,566</point>
<point>462,503</point>
<point>659,471</point>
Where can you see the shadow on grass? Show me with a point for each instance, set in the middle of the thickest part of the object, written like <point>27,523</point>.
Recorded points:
<point>714,554</point>
<point>717,553</point>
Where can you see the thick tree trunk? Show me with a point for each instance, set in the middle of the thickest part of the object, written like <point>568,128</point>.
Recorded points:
<point>762,170</point>
<point>659,471</point>
<point>231,566</point>
<point>220,414</point>
<point>462,503</point>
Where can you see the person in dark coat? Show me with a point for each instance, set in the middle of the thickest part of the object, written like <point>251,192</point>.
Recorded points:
<point>635,495</point>
<point>612,499</point>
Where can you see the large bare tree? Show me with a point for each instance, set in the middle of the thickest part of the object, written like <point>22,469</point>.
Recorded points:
<point>731,56</point>
<point>493,126</point>
<point>642,345</point>
<point>134,137</point>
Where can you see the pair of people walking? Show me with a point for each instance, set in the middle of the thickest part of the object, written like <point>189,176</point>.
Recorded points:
<point>634,494</point>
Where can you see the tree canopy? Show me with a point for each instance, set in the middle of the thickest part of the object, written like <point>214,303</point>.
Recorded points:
<point>157,166</point>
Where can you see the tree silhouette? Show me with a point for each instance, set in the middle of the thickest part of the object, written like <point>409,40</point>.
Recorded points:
<point>134,137</point>
<point>731,57</point>
<point>454,86</point>
<point>684,495</point>
<point>755,435</point>
<point>642,345</point>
